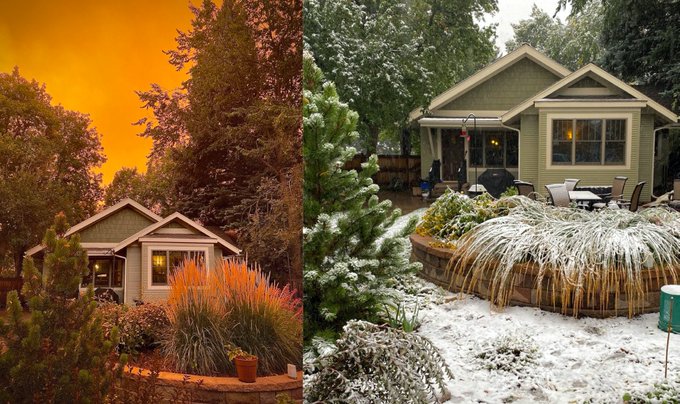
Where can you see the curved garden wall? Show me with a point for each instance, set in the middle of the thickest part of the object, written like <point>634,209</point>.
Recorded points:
<point>525,291</point>
<point>173,387</point>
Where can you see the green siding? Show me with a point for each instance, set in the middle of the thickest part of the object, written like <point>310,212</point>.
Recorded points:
<point>586,82</point>
<point>506,89</point>
<point>133,276</point>
<point>116,227</point>
<point>646,155</point>
<point>528,152</point>
<point>590,175</point>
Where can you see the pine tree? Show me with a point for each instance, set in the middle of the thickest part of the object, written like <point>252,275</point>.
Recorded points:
<point>349,261</point>
<point>60,354</point>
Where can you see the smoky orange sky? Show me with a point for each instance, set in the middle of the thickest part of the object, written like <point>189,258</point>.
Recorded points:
<point>93,56</point>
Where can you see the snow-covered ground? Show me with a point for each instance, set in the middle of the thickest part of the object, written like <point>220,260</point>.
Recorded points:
<point>576,360</point>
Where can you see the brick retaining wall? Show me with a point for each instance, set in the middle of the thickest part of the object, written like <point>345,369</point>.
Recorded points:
<point>436,261</point>
<point>171,387</point>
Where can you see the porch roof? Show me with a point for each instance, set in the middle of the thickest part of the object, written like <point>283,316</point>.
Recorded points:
<point>487,122</point>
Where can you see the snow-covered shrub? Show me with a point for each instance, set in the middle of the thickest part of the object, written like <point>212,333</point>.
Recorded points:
<point>454,214</point>
<point>666,393</point>
<point>508,353</point>
<point>376,364</point>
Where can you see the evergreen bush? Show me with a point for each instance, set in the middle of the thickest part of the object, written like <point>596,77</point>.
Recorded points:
<point>349,261</point>
<point>60,354</point>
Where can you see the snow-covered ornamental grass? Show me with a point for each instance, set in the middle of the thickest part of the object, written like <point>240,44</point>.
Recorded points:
<point>581,253</point>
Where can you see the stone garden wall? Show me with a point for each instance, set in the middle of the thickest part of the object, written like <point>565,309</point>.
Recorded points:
<point>436,260</point>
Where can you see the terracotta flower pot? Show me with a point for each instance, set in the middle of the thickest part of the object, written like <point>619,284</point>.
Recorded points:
<point>246,369</point>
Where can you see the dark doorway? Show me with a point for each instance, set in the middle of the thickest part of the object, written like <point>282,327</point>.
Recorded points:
<point>453,153</point>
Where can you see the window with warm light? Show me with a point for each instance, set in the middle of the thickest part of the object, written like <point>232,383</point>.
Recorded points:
<point>493,149</point>
<point>588,141</point>
<point>104,273</point>
<point>164,263</point>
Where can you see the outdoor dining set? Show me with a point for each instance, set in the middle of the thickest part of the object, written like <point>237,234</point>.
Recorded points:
<point>564,194</point>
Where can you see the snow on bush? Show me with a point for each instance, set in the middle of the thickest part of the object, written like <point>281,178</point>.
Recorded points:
<point>372,363</point>
<point>665,392</point>
<point>508,353</point>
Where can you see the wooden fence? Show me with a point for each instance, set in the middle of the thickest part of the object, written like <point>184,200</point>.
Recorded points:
<point>402,169</point>
<point>7,285</point>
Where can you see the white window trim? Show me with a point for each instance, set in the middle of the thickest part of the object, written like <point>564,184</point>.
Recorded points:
<point>550,117</point>
<point>164,247</point>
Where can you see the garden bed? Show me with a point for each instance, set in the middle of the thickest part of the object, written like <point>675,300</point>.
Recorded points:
<point>171,387</point>
<point>527,292</point>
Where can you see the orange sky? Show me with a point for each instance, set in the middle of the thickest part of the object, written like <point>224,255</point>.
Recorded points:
<point>93,56</point>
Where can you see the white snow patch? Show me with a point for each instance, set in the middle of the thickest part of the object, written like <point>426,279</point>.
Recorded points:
<point>578,359</point>
<point>671,289</point>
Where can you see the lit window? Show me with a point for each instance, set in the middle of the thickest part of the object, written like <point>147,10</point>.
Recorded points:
<point>588,141</point>
<point>165,263</point>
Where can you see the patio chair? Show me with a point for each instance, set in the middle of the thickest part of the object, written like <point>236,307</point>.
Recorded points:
<point>558,194</point>
<point>525,189</point>
<point>616,195</point>
<point>571,183</point>
<point>634,202</point>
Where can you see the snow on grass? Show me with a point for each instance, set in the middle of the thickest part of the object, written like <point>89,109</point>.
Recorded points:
<point>524,354</point>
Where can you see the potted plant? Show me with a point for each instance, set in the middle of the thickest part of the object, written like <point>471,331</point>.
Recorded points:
<point>246,365</point>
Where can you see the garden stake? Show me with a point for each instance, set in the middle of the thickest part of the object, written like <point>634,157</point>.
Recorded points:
<point>668,339</point>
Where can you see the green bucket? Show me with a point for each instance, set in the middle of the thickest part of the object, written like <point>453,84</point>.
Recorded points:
<point>670,296</point>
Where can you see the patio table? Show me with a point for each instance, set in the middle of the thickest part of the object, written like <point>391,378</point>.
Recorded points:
<point>585,197</point>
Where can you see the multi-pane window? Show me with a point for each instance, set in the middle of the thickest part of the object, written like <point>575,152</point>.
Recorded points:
<point>588,142</point>
<point>165,263</point>
<point>104,273</point>
<point>493,149</point>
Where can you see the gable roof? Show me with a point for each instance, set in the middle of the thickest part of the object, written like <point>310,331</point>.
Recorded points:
<point>524,51</point>
<point>185,220</point>
<point>124,203</point>
<point>591,68</point>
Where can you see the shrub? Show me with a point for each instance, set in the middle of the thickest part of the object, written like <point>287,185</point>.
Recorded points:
<point>372,363</point>
<point>267,320</point>
<point>508,353</point>
<point>454,214</point>
<point>60,354</point>
<point>666,392</point>
<point>231,306</point>
<point>143,326</point>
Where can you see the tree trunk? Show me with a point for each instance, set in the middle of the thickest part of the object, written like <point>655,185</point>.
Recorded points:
<point>18,261</point>
<point>372,140</point>
<point>405,142</point>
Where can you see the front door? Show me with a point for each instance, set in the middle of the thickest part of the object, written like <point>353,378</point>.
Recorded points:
<point>453,153</point>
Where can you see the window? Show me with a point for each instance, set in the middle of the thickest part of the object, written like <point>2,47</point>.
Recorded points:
<point>493,149</point>
<point>164,263</point>
<point>589,142</point>
<point>108,273</point>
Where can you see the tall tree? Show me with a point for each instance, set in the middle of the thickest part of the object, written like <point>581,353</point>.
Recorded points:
<point>234,126</point>
<point>573,44</point>
<point>47,157</point>
<point>349,260</point>
<point>389,57</point>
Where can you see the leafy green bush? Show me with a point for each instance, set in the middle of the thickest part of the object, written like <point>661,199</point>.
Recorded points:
<point>143,326</point>
<point>372,363</point>
<point>454,214</point>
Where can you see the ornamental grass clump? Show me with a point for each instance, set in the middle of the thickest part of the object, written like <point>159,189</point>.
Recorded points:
<point>199,324</point>
<point>578,257</point>
<point>267,319</point>
<point>231,306</point>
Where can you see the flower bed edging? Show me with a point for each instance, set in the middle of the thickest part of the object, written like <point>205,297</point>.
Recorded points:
<point>436,260</point>
<point>208,389</point>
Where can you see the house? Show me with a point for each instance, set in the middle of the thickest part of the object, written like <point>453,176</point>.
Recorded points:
<point>132,251</point>
<point>543,123</point>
